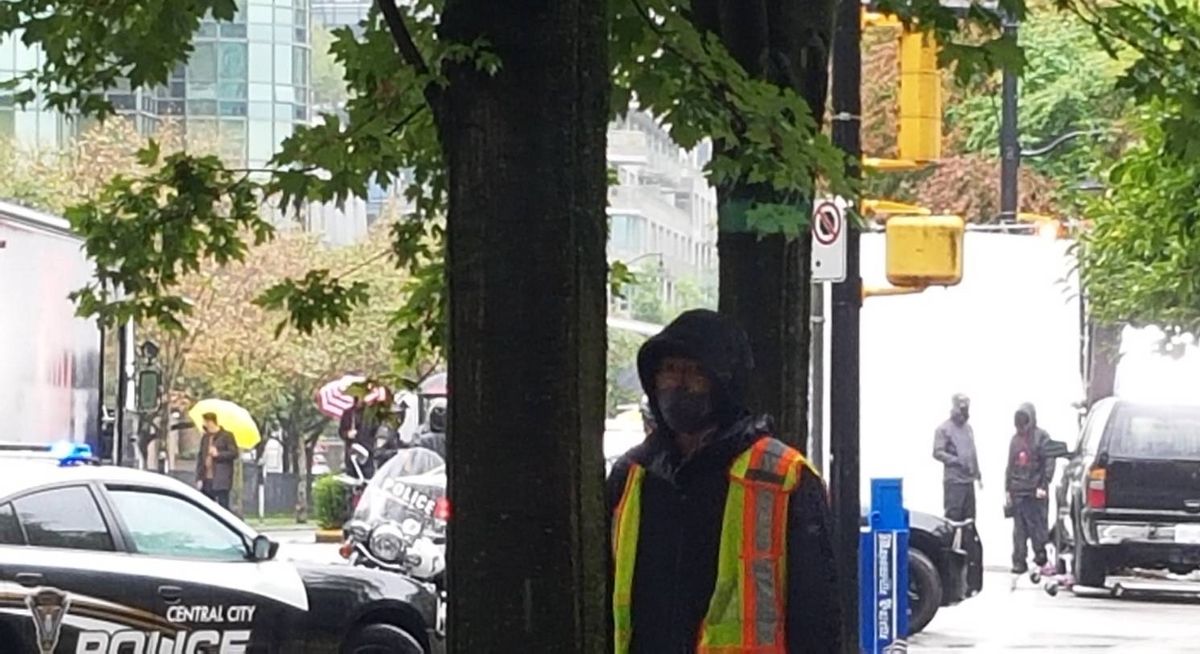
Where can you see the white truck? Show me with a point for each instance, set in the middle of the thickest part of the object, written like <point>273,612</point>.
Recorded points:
<point>50,359</point>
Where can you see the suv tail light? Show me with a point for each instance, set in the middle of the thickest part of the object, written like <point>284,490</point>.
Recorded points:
<point>441,509</point>
<point>1097,497</point>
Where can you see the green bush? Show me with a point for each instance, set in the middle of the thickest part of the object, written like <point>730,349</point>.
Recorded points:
<point>331,499</point>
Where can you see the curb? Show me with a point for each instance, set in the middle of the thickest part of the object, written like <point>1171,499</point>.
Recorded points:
<point>329,536</point>
<point>281,528</point>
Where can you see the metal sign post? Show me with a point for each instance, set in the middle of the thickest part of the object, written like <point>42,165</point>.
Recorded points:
<point>883,571</point>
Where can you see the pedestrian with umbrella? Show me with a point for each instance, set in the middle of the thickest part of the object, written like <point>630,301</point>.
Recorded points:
<point>356,425</point>
<point>226,427</point>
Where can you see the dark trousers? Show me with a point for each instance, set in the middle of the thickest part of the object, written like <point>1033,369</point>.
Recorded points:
<point>1029,525</point>
<point>959,501</point>
<point>219,496</point>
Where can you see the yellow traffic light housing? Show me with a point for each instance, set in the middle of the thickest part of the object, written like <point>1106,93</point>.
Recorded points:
<point>925,250</point>
<point>919,129</point>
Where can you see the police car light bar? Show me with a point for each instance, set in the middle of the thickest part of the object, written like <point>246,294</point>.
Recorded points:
<point>69,454</point>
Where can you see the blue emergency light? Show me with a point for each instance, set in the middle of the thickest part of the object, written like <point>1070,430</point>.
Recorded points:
<point>70,454</point>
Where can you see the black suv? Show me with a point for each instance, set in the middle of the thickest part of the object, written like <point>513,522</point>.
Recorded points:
<point>1130,496</point>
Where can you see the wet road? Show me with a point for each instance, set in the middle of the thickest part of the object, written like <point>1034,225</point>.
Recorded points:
<point>1146,619</point>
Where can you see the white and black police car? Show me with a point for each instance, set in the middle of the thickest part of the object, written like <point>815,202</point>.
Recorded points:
<point>98,559</point>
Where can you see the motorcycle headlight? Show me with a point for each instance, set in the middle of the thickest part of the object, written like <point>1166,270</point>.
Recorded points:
<point>411,528</point>
<point>387,542</point>
<point>357,529</point>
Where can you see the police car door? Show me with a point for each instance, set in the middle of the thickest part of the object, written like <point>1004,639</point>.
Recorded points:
<point>62,573</point>
<point>205,581</point>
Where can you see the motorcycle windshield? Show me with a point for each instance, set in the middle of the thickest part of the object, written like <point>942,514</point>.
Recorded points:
<point>409,485</point>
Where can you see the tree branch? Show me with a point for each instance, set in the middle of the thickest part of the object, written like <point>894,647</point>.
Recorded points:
<point>409,51</point>
<point>406,120</point>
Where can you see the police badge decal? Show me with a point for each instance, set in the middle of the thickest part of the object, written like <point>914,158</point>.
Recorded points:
<point>48,608</point>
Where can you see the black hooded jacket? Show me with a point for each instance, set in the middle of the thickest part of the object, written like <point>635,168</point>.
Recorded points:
<point>1030,466</point>
<point>683,504</point>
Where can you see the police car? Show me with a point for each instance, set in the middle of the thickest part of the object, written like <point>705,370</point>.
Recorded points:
<point>100,559</point>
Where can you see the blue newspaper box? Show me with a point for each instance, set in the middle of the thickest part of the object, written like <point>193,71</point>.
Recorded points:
<point>883,570</point>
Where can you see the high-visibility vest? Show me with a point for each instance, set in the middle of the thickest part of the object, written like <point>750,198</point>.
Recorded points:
<point>746,614</point>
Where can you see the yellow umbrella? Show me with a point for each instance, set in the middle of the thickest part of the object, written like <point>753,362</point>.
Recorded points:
<point>232,418</point>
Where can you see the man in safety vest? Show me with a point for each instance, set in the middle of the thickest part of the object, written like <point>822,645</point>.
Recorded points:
<point>720,532</point>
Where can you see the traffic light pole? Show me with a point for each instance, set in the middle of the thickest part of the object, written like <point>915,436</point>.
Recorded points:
<point>844,350</point>
<point>1010,143</point>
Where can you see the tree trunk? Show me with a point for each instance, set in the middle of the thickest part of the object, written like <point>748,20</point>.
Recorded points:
<point>526,273</point>
<point>1104,352</point>
<point>766,282</point>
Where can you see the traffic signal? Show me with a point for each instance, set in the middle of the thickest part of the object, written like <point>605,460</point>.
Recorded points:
<point>925,250</point>
<point>919,129</point>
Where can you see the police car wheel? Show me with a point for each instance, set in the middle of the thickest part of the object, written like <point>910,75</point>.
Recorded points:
<point>383,639</point>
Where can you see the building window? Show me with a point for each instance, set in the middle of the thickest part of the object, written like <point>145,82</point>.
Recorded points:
<point>202,65</point>
<point>233,61</point>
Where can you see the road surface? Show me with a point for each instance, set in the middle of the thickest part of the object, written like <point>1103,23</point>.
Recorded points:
<point>301,545</point>
<point>1030,621</point>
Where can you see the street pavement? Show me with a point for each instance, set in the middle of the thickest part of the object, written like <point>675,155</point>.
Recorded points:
<point>301,545</point>
<point>1145,619</point>
<point>1150,617</point>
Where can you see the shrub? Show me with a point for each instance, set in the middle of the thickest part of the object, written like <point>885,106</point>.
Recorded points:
<point>331,500</point>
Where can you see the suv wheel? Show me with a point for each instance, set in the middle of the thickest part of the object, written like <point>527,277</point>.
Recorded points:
<point>924,591</point>
<point>383,639</point>
<point>1089,567</point>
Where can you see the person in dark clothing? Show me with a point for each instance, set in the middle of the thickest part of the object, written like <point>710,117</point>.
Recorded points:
<point>214,461</point>
<point>695,374</point>
<point>954,446</point>
<point>388,440</point>
<point>1026,484</point>
<point>434,435</point>
<point>357,426</point>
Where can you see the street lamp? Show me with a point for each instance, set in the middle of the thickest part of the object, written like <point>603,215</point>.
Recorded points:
<point>647,255</point>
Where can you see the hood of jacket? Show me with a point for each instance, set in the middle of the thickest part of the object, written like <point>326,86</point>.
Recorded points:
<point>718,344</point>
<point>1028,409</point>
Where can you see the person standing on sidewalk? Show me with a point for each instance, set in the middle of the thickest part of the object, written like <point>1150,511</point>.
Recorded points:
<point>1026,484</point>
<point>954,447</point>
<point>720,532</point>
<point>214,461</point>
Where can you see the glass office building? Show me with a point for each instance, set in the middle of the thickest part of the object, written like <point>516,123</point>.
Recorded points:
<point>244,89</point>
<point>246,85</point>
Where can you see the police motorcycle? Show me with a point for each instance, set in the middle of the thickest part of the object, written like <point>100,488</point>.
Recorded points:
<point>399,524</point>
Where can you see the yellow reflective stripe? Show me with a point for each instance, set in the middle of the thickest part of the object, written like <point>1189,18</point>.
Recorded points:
<point>627,519</point>
<point>723,624</point>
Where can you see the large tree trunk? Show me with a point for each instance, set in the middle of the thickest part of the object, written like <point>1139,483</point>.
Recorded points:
<point>1104,352</point>
<point>526,272</point>
<point>765,283</point>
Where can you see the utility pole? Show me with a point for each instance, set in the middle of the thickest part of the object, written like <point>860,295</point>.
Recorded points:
<point>1010,144</point>
<point>816,412</point>
<point>844,353</point>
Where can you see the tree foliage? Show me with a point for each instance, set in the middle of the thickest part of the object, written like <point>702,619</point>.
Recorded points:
<point>1140,260</point>
<point>193,207</point>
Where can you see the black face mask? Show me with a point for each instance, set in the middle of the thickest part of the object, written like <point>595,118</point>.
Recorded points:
<point>686,412</point>
<point>964,414</point>
<point>1021,420</point>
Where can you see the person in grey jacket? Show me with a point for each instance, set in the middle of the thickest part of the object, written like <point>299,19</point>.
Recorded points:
<point>1027,481</point>
<point>954,446</point>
